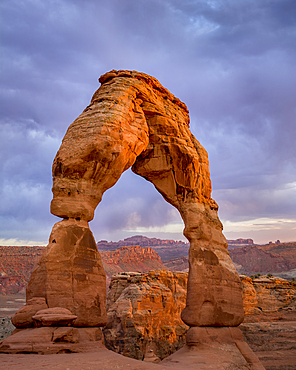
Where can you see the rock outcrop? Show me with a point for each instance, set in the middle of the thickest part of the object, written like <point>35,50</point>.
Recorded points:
<point>66,292</point>
<point>141,319</point>
<point>133,121</point>
<point>269,298</point>
<point>70,274</point>
<point>144,313</point>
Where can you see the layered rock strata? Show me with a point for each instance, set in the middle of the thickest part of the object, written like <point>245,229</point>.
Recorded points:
<point>144,314</point>
<point>70,274</point>
<point>67,291</point>
<point>133,121</point>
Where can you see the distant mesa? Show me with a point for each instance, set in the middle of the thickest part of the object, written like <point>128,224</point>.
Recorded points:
<point>232,244</point>
<point>166,248</point>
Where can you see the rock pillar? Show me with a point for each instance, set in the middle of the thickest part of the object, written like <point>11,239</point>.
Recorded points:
<point>70,274</point>
<point>214,295</point>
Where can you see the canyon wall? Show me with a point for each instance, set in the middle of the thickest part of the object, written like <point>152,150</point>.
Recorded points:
<point>131,258</point>
<point>270,258</point>
<point>16,266</point>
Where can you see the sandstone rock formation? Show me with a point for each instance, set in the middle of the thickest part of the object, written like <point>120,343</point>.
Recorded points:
<point>270,298</point>
<point>24,316</point>
<point>132,330</point>
<point>53,339</point>
<point>134,121</point>
<point>70,274</point>
<point>144,314</point>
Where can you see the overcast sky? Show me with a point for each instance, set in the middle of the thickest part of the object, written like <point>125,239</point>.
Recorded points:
<point>231,61</point>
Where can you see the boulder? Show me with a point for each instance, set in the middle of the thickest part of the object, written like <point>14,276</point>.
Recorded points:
<point>23,318</point>
<point>55,316</point>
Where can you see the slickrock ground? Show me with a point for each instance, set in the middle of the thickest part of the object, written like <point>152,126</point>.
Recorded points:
<point>101,359</point>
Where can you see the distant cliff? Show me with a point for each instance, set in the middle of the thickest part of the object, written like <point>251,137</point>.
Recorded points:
<point>16,266</point>
<point>270,258</point>
<point>132,258</point>
<point>238,243</point>
<point>167,249</point>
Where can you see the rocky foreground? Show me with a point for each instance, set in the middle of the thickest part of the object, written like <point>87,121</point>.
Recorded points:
<point>144,317</point>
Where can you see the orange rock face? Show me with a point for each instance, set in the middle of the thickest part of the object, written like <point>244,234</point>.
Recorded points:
<point>144,313</point>
<point>133,121</point>
<point>132,330</point>
<point>70,274</point>
<point>268,297</point>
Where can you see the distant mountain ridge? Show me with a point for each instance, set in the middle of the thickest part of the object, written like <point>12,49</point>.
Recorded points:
<point>16,266</point>
<point>17,263</point>
<point>166,248</point>
<point>269,258</point>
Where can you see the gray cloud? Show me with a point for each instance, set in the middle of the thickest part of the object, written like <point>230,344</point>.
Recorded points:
<point>231,62</point>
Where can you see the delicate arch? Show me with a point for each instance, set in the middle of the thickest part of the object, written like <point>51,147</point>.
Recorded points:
<point>133,121</point>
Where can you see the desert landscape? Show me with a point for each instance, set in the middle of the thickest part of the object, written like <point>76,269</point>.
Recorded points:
<point>133,122</point>
<point>138,279</point>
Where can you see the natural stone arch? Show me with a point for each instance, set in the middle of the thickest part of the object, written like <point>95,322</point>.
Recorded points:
<point>133,121</point>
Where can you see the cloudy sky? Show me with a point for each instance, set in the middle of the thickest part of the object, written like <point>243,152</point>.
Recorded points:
<point>231,61</point>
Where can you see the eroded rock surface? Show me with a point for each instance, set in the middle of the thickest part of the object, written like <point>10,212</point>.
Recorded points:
<point>70,274</point>
<point>144,313</point>
<point>133,121</point>
<point>131,258</point>
<point>268,328</point>
<point>268,297</point>
<point>49,340</point>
